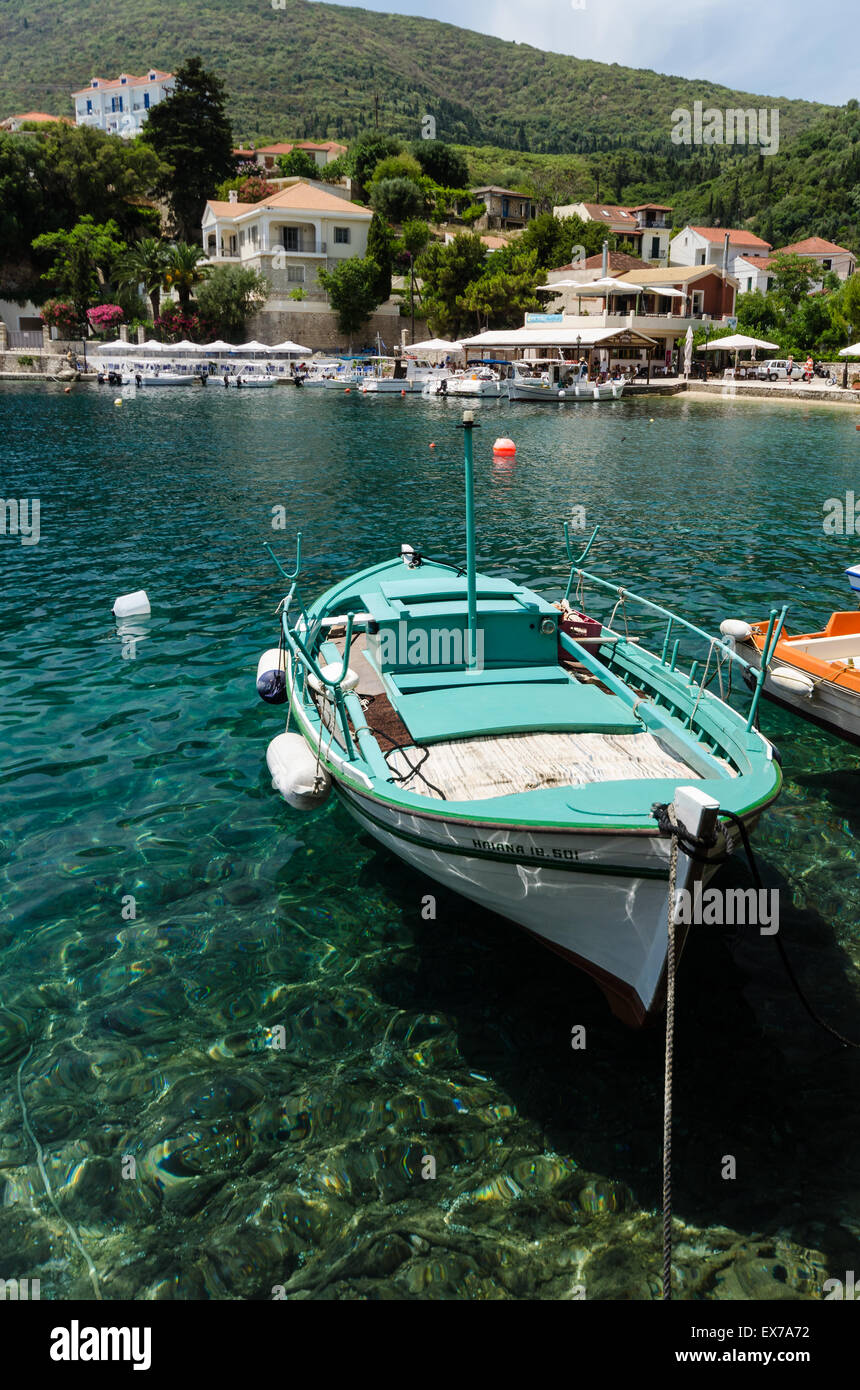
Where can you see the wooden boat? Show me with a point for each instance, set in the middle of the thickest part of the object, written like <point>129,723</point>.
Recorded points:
<point>548,379</point>
<point>814,674</point>
<point>513,751</point>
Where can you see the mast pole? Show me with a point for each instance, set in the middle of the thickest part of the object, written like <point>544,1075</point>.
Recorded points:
<point>471,578</point>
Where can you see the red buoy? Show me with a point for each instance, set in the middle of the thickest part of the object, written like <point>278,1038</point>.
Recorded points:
<point>504,446</point>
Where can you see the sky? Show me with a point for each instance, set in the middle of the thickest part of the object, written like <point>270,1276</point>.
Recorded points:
<point>791,48</point>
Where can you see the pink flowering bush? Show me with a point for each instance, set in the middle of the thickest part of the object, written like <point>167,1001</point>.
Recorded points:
<point>105,317</point>
<point>62,315</point>
<point>174,325</point>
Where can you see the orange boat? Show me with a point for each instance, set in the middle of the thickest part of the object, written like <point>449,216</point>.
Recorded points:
<point>815,674</point>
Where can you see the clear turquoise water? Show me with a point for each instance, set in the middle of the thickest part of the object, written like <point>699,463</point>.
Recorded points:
<point>150,1039</point>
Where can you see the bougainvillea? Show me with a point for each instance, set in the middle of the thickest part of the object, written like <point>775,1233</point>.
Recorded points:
<point>60,314</point>
<point>174,325</point>
<point>104,317</point>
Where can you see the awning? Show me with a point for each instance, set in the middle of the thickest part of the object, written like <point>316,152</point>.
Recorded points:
<point>555,336</point>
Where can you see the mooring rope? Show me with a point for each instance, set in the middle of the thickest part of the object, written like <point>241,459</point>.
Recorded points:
<point>40,1160</point>
<point>667,1072</point>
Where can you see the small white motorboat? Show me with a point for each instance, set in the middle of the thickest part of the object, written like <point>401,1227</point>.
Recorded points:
<point>549,379</point>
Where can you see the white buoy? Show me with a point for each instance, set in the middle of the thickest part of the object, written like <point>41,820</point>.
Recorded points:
<point>127,605</point>
<point>734,627</point>
<point>295,773</point>
<point>794,681</point>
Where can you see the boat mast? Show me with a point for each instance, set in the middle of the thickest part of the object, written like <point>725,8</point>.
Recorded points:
<point>471,580</point>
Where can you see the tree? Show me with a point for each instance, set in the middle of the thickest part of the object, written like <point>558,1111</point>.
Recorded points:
<point>145,263</point>
<point>191,134</point>
<point>414,236</point>
<point>793,277</point>
<point>83,260</point>
<point>184,271</point>
<point>298,164</point>
<point>229,297</point>
<point>352,288</point>
<point>80,168</point>
<point>447,272</point>
<point>251,188</point>
<point>500,297</point>
<point>396,166</point>
<point>441,163</point>
<point>397,199</point>
<point>380,247</point>
<point>365,153</point>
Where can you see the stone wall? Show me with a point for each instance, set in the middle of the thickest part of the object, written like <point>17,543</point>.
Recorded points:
<point>308,322</point>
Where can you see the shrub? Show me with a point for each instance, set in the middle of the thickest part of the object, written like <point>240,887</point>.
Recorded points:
<point>105,317</point>
<point>62,315</point>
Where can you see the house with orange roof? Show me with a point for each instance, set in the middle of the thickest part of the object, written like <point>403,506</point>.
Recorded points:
<point>266,156</point>
<point>287,236</point>
<point>647,227</point>
<point>16,123</point>
<point>828,255</point>
<point>706,245</point>
<point>120,106</point>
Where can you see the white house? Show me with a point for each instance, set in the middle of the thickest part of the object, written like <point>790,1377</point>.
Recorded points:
<point>122,105</point>
<point>704,245</point>
<point>828,255</point>
<point>647,227</point>
<point>287,236</point>
<point>752,273</point>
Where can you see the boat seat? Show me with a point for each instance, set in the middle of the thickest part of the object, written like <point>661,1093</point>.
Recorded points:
<point>410,682</point>
<point>510,707</point>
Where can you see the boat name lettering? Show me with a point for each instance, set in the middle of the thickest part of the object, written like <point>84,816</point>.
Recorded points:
<point>533,851</point>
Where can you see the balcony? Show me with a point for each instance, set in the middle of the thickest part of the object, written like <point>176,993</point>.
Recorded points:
<point>297,246</point>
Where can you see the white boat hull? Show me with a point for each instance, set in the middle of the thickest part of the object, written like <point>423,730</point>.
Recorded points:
<point>599,900</point>
<point>387,386</point>
<point>580,393</point>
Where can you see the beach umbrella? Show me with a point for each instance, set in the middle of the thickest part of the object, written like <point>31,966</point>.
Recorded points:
<point>217,347</point>
<point>664,291</point>
<point>737,342</point>
<point>435,345</point>
<point>110,349</point>
<point>289,346</point>
<point>852,351</point>
<point>184,346</point>
<point>150,346</point>
<point>688,351</point>
<point>253,346</point>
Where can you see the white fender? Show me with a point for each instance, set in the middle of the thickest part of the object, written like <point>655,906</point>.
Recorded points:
<point>734,627</point>
<point>795,682</point>
<point>127,605</point>
<point>295,774</point>
<point>272,660</point>
<point>331,672</point>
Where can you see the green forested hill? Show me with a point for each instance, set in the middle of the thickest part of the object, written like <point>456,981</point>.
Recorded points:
<point>314,70</point>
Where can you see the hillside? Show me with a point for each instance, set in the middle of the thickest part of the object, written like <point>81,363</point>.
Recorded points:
<point>313,70</point>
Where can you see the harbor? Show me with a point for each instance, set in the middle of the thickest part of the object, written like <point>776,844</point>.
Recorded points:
<point>283,938</point>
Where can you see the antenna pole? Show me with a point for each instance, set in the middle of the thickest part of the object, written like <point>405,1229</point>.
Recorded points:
<point>471,578</point>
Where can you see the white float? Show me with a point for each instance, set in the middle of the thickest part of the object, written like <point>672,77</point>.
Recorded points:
<point>734,627</point>
<point>295,773</point>
<point>331,673</point>
<point>128,605</point>
<point>790,679</point>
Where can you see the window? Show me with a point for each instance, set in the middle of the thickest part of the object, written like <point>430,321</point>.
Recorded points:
<point>89,107</point>
<point>146,101</point>
<point>749,284</point>
<point>701,258</point>
<point>291,238</point>
<point>655,248</point>
<point>123,80</point>
<point>295,274</point>
<point>826,264</point>
<point>341,236</point>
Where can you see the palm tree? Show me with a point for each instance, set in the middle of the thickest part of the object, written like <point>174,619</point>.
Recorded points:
<point>145,263</point>
<point>184,270</point>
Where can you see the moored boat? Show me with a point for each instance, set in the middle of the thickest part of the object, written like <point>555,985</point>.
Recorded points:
<point>515,750</point>
<point>814,674</point>
<point>549,379</point>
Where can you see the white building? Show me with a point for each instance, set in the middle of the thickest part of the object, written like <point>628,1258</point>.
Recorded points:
<point>121,106</point>
<point>704,245</point>
<point>828,255</point>
<point>647,227</point>
<point>287,236</point>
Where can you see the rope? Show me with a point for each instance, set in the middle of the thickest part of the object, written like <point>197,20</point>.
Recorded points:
<point>620,603</point>
<point>667,1073</point>
<point>756,877</point>
<point>40,1160</point>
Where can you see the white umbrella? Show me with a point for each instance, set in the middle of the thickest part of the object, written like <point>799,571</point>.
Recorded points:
<point>852,351</point>
<point>253,346</point>
<point>688,352</point>
<point>737,342</point>
<point>111,348</point>
<point>435,345</point>
<point>218,346</point>
<point>289,346</point>
<point>184,346</point>
<point>665,292</point>
<point>150,346</point>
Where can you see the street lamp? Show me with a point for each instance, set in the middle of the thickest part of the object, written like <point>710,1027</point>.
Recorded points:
<point>578,361</point>
<point>707,340</point>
